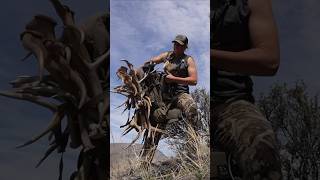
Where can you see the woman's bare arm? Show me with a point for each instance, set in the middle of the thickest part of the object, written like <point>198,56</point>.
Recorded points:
<point>158,59</point>
<point>190,80</point>
<point>263,58</point>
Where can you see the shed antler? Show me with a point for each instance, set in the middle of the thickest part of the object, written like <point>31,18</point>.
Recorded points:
<point>138,99</point>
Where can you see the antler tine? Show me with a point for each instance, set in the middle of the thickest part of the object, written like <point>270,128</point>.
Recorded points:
<point>134,140</point>
<point>87,144</point>
<point>133,124</point>
<point>130,66</point>
<point>127,130</point>
<point>124,94</point>
<point>146,76</point>
<point>48,152</point>
<point>58,116</point>
<point>66,15</point>
<point>30,98</point>
<point>99,60</point>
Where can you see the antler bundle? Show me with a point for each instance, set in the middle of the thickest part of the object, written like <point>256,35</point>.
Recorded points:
<point>137,98</point>
<point>74,82</point>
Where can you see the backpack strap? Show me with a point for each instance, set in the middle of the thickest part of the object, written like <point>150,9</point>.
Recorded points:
<point>169,56</point>
<point>167,59</point>
<point>185,60</point>
<point>218,16</point>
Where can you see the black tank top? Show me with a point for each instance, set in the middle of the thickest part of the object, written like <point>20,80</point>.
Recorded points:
<point>177,66</point>
<point>230,32</point>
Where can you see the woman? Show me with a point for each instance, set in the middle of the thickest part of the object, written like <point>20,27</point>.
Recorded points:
<point>182,72</point>
<point>244,42</point>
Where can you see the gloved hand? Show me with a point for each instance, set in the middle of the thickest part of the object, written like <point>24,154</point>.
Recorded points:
<point>148,66</point>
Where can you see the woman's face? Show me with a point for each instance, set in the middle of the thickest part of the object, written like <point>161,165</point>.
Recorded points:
<point>178,48</point>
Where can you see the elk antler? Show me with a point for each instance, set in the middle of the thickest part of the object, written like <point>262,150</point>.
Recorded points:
<point>134,92</point>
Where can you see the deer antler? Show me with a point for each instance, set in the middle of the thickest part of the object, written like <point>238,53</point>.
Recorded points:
<point>133,90</point>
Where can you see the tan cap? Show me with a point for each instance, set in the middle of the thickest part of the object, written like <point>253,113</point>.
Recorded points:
<point>181,39</point>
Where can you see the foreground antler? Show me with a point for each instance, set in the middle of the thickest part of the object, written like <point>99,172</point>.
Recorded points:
<point>77,83</point>
<point>137,99</point>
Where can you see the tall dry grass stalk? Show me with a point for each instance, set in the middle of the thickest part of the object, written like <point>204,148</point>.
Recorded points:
<point>191,161</point>
<point>194,156</point>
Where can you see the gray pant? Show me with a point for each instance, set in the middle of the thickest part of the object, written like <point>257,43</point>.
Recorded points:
<point>240,128</point>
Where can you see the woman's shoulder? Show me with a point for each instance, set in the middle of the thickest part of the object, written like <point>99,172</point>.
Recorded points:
<point>189,59</point>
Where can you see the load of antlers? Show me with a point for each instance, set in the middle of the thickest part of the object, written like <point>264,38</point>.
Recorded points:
<point>77,79</point>
<point>137,98</point>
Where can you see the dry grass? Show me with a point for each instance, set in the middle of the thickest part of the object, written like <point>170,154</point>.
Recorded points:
<point>194,158</point>
<point>191,162</point>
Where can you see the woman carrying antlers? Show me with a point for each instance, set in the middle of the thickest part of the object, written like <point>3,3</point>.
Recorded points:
<point>181,72</point>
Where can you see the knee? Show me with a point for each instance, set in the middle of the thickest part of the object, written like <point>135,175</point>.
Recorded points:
<point>261,160</point>
<point>262,147</point>
<point>191,110</point>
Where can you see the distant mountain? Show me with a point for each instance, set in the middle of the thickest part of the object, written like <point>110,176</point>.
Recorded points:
<point>120,155</point>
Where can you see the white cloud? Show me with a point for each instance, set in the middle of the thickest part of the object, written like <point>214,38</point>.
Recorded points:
<point>138,30</point>
<point>168,18</point>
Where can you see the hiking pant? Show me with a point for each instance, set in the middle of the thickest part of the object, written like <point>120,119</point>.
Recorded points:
<point>241,129</point>
<point>186,103</point>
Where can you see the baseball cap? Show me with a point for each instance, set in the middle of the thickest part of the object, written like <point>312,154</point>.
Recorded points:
<point>181,39</point>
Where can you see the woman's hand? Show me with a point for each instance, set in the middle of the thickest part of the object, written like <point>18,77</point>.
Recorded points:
<point>170,78</point>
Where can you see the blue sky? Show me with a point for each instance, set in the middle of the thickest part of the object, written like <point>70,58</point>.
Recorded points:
<point>141,29</point>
